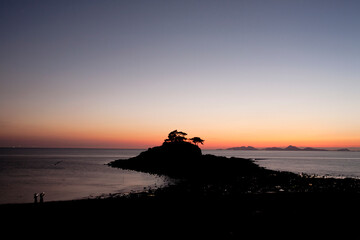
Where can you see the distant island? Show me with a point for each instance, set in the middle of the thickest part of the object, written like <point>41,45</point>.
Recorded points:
<point>242,148</point>
<point>288,148</point>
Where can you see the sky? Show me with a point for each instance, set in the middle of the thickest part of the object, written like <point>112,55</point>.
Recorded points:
<point>123,74</point>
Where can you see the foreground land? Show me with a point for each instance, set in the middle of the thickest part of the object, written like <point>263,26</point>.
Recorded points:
<point>209,196</point>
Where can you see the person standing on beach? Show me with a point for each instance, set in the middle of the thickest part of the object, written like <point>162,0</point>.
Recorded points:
<point>36,198</point>
<point>42,197</point>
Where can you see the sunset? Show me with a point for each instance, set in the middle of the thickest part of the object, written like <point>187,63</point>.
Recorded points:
<point>121,74</point>
<point>191,119</point>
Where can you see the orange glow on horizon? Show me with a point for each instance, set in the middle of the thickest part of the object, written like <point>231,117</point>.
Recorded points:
<point>148,139</point>
<point>139,135</point>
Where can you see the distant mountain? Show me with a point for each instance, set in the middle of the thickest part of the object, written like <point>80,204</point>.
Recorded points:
<point>314,149</point>
<point>242,148</point>
<point>292,148</point>
<point>288,148</point>
<point>343,150</point>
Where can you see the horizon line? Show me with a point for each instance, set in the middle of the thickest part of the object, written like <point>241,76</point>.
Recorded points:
<point>144,148</point>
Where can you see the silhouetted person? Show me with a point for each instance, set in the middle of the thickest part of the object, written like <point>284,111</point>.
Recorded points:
<point>36,198</point>
<point>42,197</point>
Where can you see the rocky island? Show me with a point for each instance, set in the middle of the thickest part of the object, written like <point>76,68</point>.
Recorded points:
<point>236,193</point>
<point>183,160</point>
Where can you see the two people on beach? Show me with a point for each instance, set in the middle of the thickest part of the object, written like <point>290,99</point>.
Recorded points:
<point>41,195</point>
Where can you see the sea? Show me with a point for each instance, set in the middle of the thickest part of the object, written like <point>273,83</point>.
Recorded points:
<point>68,174</point>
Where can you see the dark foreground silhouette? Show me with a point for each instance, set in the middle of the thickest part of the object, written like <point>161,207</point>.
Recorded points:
<point>210,197</point>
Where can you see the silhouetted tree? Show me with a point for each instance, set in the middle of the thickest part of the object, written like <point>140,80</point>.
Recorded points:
<point>197,140</point>
<point>176,136</point>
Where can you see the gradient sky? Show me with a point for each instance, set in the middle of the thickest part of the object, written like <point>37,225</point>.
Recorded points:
<point>125,73</point>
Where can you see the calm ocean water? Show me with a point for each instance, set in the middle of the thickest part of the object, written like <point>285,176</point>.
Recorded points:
<point>322,163</point>
<point>65,174</point>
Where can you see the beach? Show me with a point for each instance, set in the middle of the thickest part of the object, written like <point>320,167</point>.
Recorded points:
<point>172,215</point>
<point>241,198</point>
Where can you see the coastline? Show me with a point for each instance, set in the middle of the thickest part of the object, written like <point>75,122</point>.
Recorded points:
<point>215,196</point>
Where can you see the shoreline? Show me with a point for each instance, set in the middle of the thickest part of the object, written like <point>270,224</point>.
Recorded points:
<point>310,182</point>
<point>240,198</point>
<point>170,213</point>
